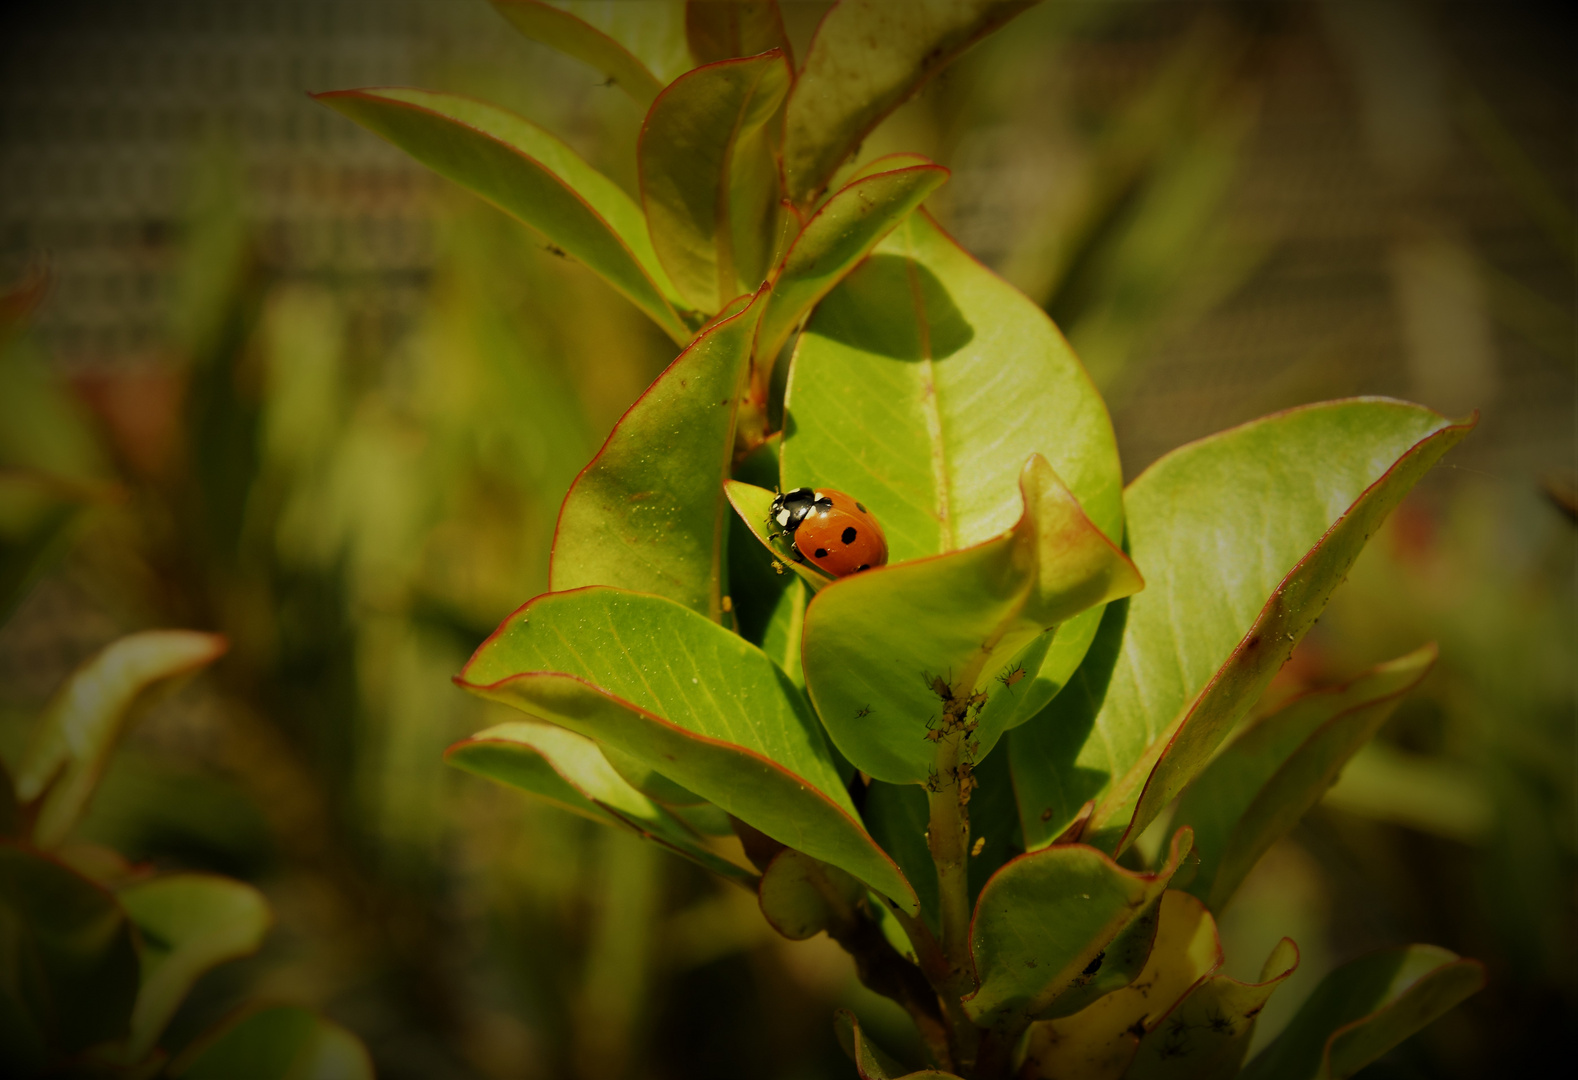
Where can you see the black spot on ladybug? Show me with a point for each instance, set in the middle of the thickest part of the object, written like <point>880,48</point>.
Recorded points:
<point>862,566</point>
<point>848,535</point>
<point>821,553</point>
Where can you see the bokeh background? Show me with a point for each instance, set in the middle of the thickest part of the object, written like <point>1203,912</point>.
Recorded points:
<point>285,385</point>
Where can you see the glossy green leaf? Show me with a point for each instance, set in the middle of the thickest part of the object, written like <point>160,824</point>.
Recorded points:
<point>187,924</point>
<point>867,57</point>
<point>696,702</point>
<point>654,785</point>
<point>801,896</point>
<point>283,1042</point>
<point>1207,1034</point>
<point>569,771</point>
<point>1043,921</point>
<point>573,36</point>
<point>721,29</point>
<point>1276,508</point>
<point>1365,1008</point>
<point>73,741</point>
<point>921,386</point>
<point>1100,1041</point>
<point>874,641</point>
<point>68,973</point>
<point>531,176</point>
<point>648,512</point>
<point>843,231</point>
<point>708,180</point>
<point>1264,781</point>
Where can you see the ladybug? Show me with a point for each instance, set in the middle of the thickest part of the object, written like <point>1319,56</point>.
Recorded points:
<point>829,529</point>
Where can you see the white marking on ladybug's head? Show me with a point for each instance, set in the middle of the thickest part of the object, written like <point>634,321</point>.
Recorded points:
<point>783,518</point>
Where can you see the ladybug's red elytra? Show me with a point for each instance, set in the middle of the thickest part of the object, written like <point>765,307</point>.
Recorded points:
<point>829,529</point>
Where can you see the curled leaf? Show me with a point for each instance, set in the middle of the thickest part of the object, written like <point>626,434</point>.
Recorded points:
<point>693,701</point>
<point>72,742</point>
<point>569,771</point>
<point>575,37</point>
<point>877,643</point>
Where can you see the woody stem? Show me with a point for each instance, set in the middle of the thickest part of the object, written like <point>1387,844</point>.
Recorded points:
<point>948,837</point>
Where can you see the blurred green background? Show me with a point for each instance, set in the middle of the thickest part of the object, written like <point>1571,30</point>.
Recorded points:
<point>285,385</point>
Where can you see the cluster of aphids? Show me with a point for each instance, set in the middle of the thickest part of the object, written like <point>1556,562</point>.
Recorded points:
<point>960,715</point>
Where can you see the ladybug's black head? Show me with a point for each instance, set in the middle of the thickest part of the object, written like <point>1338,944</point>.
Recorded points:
<point>791,507</point>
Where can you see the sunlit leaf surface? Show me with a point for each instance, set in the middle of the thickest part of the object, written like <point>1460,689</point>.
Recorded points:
<point>1278,508</point>
<point>1207,1034</point>
<point>696,702</point>
<point>528,174</point>
<point>922,385</point>
<point>876,642</point>
<point>1099,1042</point>
<point>648,512</point>
<point>569,771</point>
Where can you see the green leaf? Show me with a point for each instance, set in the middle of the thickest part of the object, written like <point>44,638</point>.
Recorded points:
<point>708,181</point>
<point>575,37</point>
<point>1207,1034</point>
<point>1099,1042</point>
<point>867,57</point>
<point>1365,1008</point>
<point>188,923</point>
<point>952,379</point>
<point>874,641</point>
<point>1264,781</point>
<point>1116,966</point>
<point>73,741</point>
<point>696,702</point>
<point>69,974</point>
<point>284,1042</point>
<point>801,896</point>
<point>721,29</point>
<point>531,176</point>
<point>843,231</point>
<point>897,816</point>
<point>871,1061</point>
<point>648,513</point>
<point>569,771</point>
<point>1279,507</point>
<point>1043,921</point>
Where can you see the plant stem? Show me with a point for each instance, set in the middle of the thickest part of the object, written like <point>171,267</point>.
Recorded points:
<point>948,837</point>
